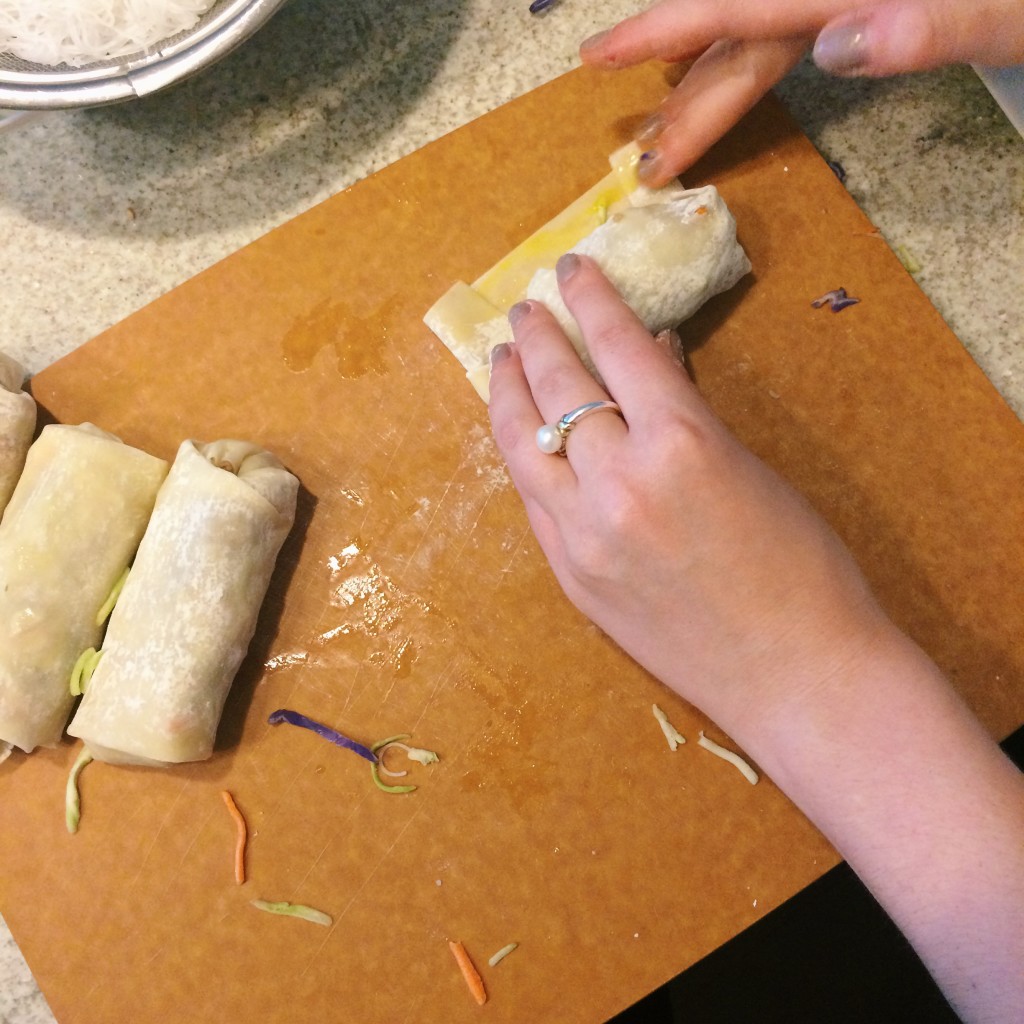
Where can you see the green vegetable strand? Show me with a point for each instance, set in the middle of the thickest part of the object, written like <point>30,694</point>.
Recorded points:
<point>72,801</point>
<point>287,909</point>
<point>79,669</point>
<point>115,593</point>
<point>381,784</point>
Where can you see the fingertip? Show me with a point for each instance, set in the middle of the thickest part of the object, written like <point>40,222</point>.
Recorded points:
<point>666,159</point>
<point>884,40</point>
<point>843,47</point>
<point>499,353</point>
<point>592,48</point>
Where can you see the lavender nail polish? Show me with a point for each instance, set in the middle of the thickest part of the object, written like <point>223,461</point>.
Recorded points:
<point>842,49</point>
<point>592,42</point>
<point>518,311</point>
<point>500,352</point>
<point>650,130</point>
<point>649,165</point>
<point>566,266</point>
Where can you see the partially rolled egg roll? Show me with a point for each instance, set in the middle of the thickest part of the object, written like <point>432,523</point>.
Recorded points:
<point>665,259</point>
<point>666,250</point>
<point>17,424</point>
<point>71,528</point>
<point>187,613</point>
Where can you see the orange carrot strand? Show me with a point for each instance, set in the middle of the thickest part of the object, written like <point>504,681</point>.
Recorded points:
<point>243,835</point>
<point>469,972</point>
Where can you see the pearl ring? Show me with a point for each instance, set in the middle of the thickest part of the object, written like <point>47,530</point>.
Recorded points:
<point>551,437</point>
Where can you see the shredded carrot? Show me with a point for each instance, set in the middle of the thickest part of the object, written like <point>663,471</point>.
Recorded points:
<point>469,972</point>
<point>243,835</point>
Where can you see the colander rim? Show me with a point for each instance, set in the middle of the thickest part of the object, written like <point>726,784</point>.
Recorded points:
<point>137,74</point>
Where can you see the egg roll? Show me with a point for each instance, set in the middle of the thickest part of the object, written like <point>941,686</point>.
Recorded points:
<point>666,250</point>
<point>17,425</point>
<point>71,528</point>
<point>665,259</point>
<point>186,615</point>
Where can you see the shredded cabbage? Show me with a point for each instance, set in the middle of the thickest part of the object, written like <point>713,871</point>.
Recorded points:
<point>294,910</point>
<point>72,801</point>
<point>672,734</point>
<point>728,755</point>
<point>78,32</point>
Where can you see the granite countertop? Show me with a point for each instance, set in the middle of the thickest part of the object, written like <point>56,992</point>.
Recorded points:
<point>104,210</point>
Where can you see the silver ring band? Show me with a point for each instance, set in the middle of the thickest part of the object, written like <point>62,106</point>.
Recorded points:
<point>551,437</point>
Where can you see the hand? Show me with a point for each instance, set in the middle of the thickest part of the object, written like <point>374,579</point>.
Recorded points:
<point>741,49</point>
<point>715,575</point>
<point>682,546</point>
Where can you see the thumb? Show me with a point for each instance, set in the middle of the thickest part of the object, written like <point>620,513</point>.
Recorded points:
<point>916,35</point>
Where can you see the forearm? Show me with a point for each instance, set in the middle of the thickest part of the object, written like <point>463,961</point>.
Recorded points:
<point>718,578</point>
<point>887,761</point>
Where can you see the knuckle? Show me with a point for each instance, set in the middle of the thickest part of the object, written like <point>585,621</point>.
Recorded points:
<point>611,336</point>
<point>510,436</point>
<point>596,550</point>
<point>559,378</point>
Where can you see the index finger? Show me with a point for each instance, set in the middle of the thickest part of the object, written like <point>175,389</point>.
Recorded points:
<point>673,29</point>
<point>721,86</point>
<point>641,375</point>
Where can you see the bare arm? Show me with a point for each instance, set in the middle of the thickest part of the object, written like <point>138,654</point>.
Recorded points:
<point>713,573</point>
<point>741,49</point>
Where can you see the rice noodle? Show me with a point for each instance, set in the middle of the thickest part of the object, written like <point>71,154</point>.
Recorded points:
<point>78,32</point>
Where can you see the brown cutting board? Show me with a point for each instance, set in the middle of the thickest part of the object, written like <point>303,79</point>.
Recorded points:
<point>411,597</point>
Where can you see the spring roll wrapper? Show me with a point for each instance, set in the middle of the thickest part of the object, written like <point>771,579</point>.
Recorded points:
<point>71,528</point>
<point>188,611</point>
<point>17,425</point>
<point>665,259</point>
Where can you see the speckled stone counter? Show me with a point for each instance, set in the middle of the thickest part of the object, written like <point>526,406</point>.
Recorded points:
<point>103,210</point>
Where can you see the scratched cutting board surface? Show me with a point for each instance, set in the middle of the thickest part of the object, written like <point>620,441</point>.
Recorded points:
<point>411,597</point>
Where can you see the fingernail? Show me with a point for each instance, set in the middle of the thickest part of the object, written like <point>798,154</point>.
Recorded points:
<point>650,130</point>
<point>842,49</point>
<point>649,165</point>
<point>500,351</point>
<point>518,311</point>
<point>566,266</point>
<point>594,41</point>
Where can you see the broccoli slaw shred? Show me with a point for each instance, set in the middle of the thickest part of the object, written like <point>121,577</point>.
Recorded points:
<point>372,754</point>
<point>672,734</point>
<point>496,958</point>
<point>728,755</point>
<point>115,592</point>
<point>72,801</point>
<point>241,834</point>
<point>83,669</point>
<point>837,300</point>
<point>323,731</point>
<point>299,910</point>
<point>470,974</point>
<point>377,769</point>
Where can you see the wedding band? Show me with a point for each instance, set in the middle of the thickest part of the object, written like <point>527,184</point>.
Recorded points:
<point>551,437</point>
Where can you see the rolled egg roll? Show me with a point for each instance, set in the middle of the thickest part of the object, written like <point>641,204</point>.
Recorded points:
<point>665,259</point>
<point>186,615</point>
<point>666,250</point>
<point>17,424</point>
<point>70,530</point>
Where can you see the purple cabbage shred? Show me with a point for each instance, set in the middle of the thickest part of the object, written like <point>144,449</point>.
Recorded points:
<point>541,5</point>
<point>324,731</point>
<point>837,300</point>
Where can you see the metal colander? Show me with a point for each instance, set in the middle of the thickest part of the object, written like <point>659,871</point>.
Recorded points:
<point>28,86</point>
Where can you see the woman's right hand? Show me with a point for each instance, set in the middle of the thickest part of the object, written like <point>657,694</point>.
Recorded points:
<point>741,49</point>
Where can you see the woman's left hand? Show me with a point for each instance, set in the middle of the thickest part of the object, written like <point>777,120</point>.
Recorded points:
<point>660,526</point>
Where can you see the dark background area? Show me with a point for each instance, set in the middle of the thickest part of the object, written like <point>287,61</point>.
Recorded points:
<point>830,955</point>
